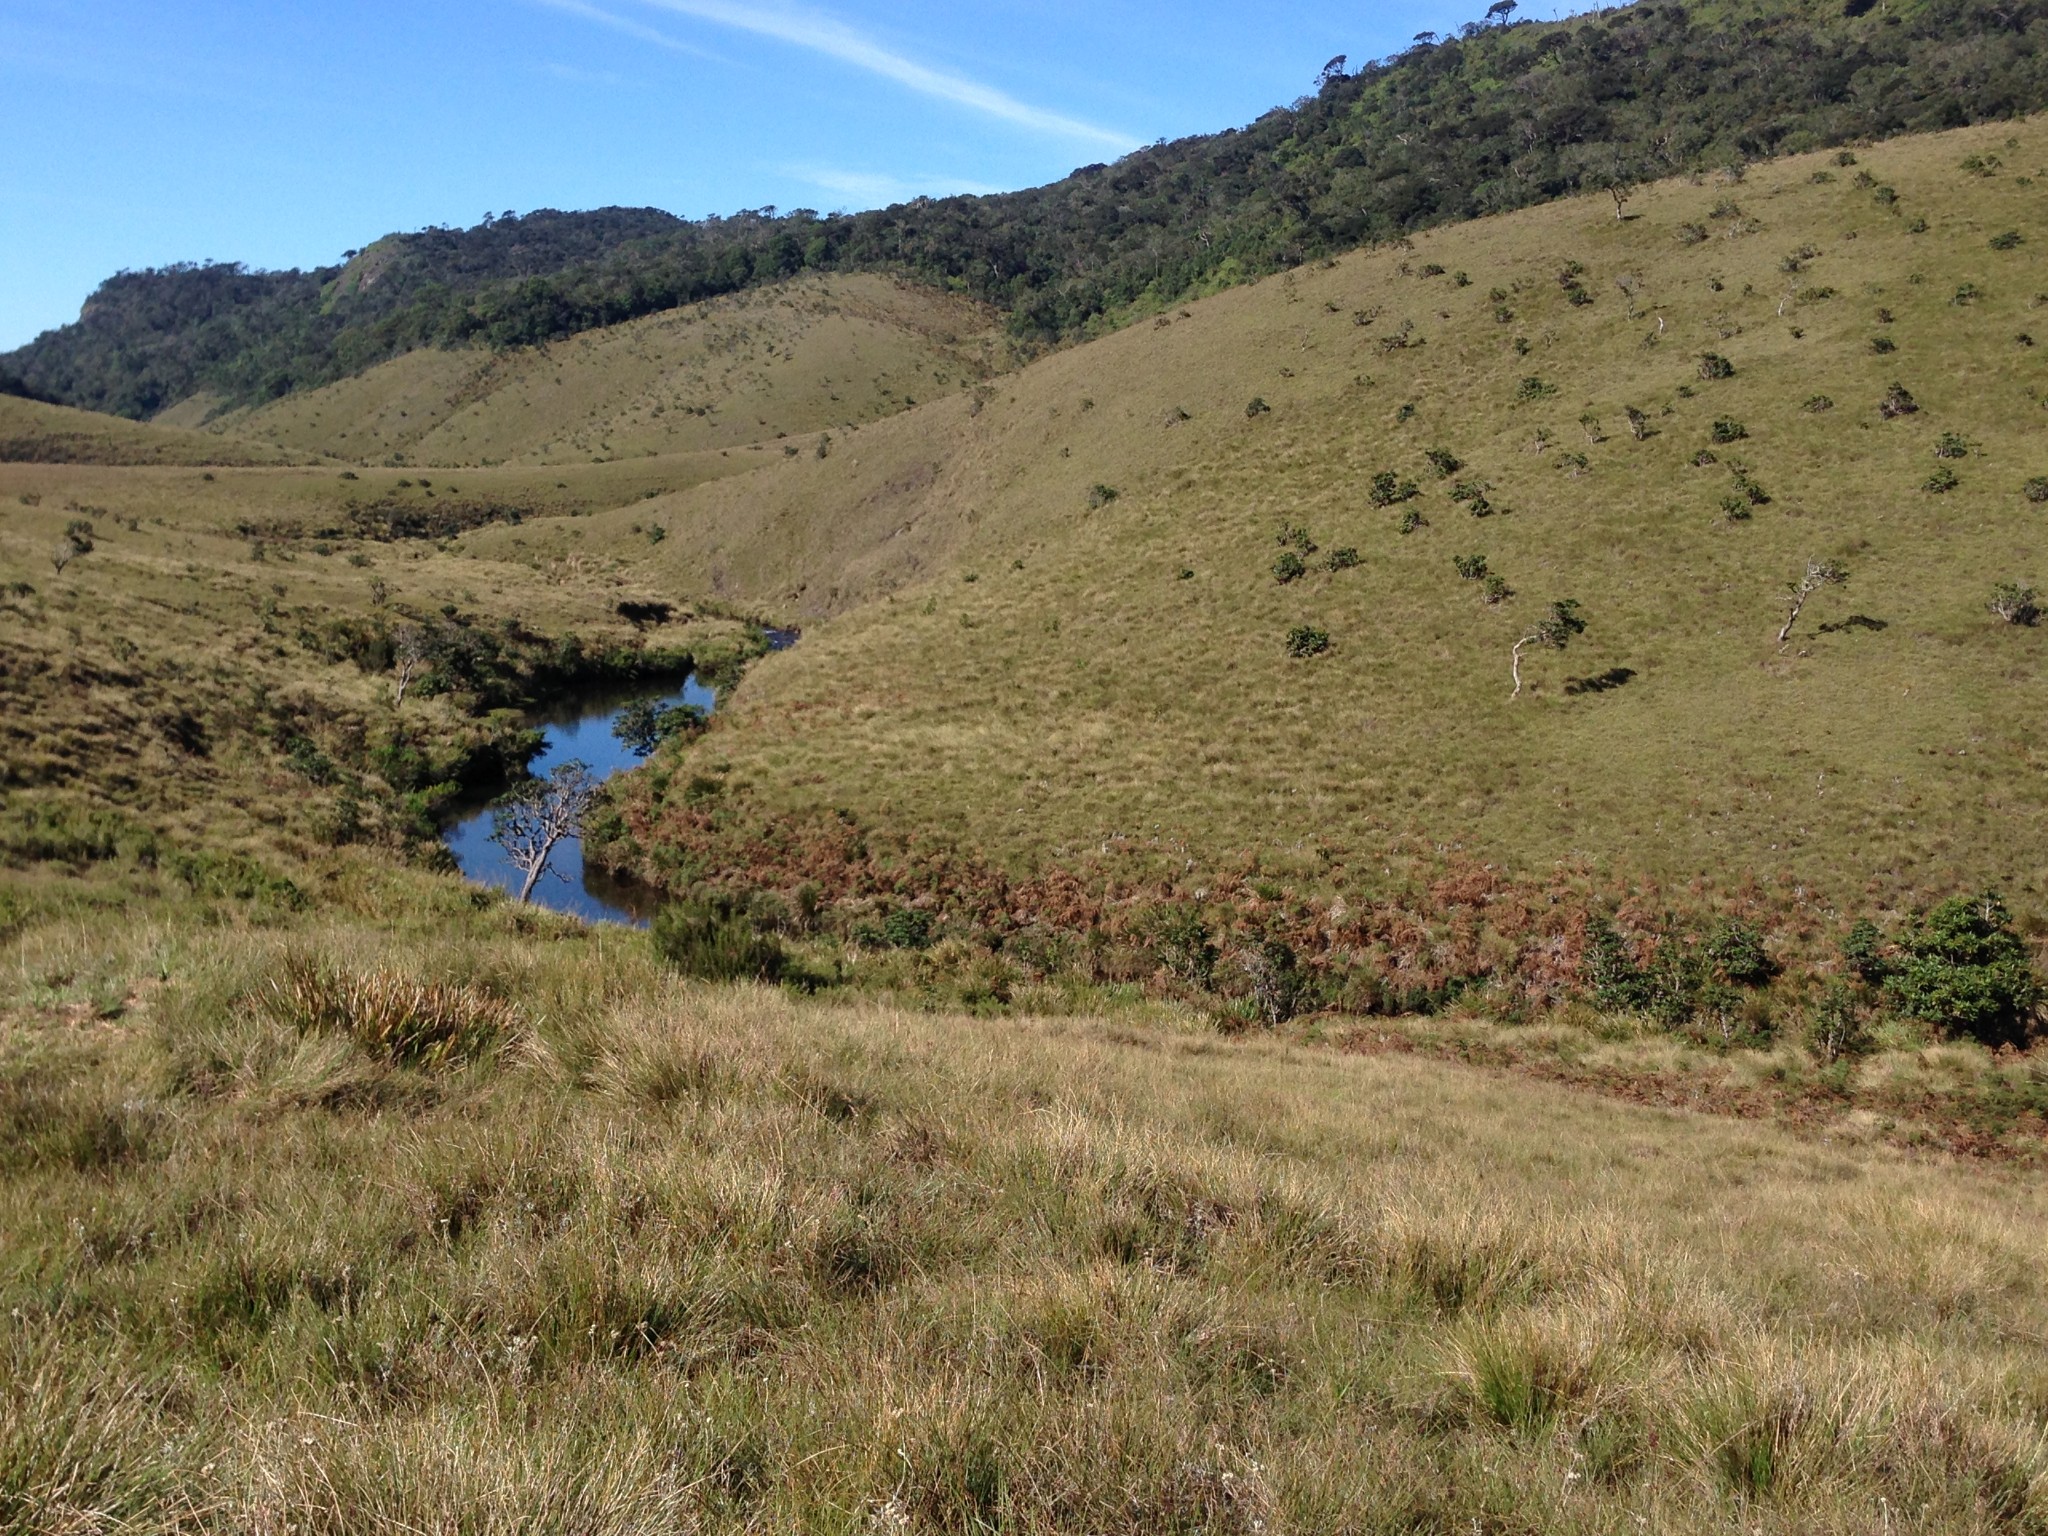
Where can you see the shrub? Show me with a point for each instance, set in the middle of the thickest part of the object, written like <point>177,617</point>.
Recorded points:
<point>1727,431</point>
<point>1898,401</point>
<point>1941,482</point>
<point>1966,972</point>
<point>1278,986</point>
<point>714,938</point>
<point>1180,938</point>
<point>1835,1030</point>
<point>1966,295</point>
<point>1736,510</point>
<point>1736,950</point>
<point>1495,589</point>
<point>1296,538</point>
<point>1817,405</point>
<point>1342,558</point>
<point>1704,458</point>
<point>1413,519</point>
<point>1471,567</point>
<point>1883,346</point>
<point>2036,490</point>
<point>1714,366</point>
<point>2015,604</point>
<point>1444,462</point>
<point>1288,568</point>
<point>1101,496</point>
<point>1952,445</point>
<point>1257,407</point>
<point>1692,234</point>
<point>2011,240</point>
<point>1533,388</point>
<point>1885,197</point>
<point>1389,489</point>
<point>1305,640</point>
<point>907,928</point>
<point>1863,953</point>
<point>1756,495</point>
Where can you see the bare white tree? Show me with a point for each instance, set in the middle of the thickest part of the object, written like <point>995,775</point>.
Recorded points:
<point>1552,632</point>
<point>532,821</point>
<point>408,654</point>
<point>1819,573</point>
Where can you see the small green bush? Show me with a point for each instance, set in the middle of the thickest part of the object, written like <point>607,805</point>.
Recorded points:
<point>1952,445</point>
<point>1305,640</point>
<point>1533,388</point>
<point>1835,1030</point>
<point>1965,971</point>
<point>715,938</point>
<point>1727,431</point>
<point>2011,240</point>
<point>1257,407</point>
<point>1714,366</point>
<point>1883,346</point>
<point>2036,490</point>
<point>1495,590</point>
<point>1389,489</point>
<point>1342,558</point>
<point>1471,567</point>
<point>1444,462</point>
<point>1898,401</point>
<point>1941,482</point>
<point>2016,604</point>
<point>1289,568</point>
<point>1101,496</point>
<point>1413,519</point>
<point>1817,405</point>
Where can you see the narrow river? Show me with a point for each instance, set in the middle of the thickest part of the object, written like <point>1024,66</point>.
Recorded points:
<point>575,730</point>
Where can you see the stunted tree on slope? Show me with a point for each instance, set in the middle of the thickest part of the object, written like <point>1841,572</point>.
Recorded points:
<point>1552,632</point>
<point>538,816</point>
<point>1819,573</point>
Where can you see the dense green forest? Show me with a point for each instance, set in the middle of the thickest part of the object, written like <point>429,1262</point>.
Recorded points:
<point>1494,118</point>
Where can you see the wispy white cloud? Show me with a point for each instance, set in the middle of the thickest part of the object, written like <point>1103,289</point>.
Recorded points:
<point>871,189</point>
<point>835,39</point>
<point>627,25</point>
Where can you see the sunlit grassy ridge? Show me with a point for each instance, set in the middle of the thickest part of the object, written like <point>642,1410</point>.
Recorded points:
<point>33,432</point>
<point>656,1257</point>
<point>1037,668</point>
<point>808,357</point>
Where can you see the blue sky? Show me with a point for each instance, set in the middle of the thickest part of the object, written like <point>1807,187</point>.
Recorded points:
<point>284,132</point>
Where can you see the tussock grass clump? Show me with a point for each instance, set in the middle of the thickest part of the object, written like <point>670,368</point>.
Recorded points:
<point>392,1018</point>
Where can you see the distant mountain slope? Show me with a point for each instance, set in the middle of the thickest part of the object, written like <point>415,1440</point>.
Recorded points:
<point>1494,119</point>
<point>32,432</point>
<point>1056,615</point>
<point>802,358</point>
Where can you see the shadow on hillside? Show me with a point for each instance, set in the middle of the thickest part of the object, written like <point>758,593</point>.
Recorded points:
<point>1605,682</point>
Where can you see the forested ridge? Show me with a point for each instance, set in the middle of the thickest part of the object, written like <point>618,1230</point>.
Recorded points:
<point>1495,118</point>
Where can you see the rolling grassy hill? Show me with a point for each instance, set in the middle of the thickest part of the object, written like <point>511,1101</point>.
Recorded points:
<point>813,356</point>
<point>1016,659</point>
<point>32,431</point>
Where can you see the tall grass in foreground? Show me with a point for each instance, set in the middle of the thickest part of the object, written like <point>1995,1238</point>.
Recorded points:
<point>712,1259</point>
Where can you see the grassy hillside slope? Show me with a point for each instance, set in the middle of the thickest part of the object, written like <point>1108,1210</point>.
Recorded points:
<point>639,1256</point>
<point>33,432</point>
<point>1037,675</point>
<point>807,357</point>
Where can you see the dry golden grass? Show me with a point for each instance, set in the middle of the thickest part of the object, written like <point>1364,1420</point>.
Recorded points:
<point>717,1260</point>
<point>807,357</point>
